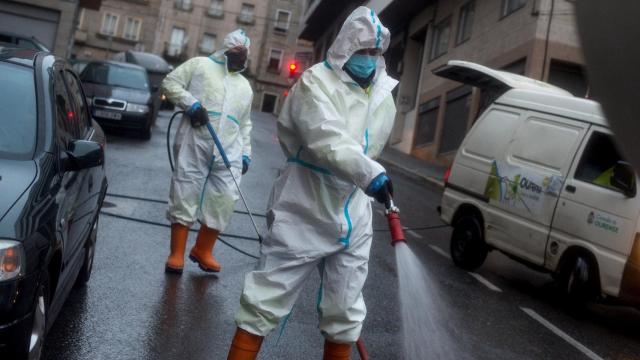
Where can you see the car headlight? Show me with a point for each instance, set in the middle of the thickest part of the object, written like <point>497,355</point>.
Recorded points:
<point>137,108</point>
<point>11,259</point>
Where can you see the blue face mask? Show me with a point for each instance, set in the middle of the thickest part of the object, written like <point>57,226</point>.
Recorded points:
<point>361,65</point>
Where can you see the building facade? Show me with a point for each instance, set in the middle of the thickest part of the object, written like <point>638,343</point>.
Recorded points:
<point>118,25</point>
<point>49,21</point>
<point>535,38</point>
<point>281,56</point>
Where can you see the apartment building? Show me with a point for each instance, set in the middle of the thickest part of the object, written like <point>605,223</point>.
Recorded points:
<point>49,21</point>
<point>279,52</point>
<point>536,38</point>
<point>118,25</point>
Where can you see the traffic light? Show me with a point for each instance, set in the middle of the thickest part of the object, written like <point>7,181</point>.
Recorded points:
<point>293,68</point>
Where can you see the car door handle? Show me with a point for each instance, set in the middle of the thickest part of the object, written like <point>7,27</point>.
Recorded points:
<point>570,189</point>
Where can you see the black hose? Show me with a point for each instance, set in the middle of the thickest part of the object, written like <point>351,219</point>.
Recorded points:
<point>148,222</point>
<point>169,138</point>
<point>158,201</point>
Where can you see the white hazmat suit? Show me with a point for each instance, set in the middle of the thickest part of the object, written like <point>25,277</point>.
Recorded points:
<point>319,217</point>
<point>201,188</point>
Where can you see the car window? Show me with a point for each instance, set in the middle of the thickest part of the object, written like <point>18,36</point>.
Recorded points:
<point>18,123</point>
<point>65,113</point>
<point>598,160</point>
<point>115,75</point>
<point>77,99</point>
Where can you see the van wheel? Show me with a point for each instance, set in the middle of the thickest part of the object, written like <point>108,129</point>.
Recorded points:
<point>468,249</point>
<point>578,280</point>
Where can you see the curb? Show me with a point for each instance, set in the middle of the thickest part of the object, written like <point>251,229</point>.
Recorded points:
<point>412,174</point>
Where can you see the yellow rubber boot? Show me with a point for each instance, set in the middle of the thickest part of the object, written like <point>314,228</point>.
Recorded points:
<point>245,346</point>
<point>202,252</point>
<point>335,351</point>
<point>175,262</point>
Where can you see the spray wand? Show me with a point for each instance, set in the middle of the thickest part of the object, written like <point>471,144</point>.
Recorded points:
<point>395,227</point>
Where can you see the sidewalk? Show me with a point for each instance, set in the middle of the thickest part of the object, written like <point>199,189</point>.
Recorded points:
<point>412,167</point>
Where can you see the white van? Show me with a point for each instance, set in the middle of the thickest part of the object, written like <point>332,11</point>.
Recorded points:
<point>539,177</point>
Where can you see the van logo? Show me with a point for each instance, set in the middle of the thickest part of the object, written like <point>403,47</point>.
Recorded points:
<point>591,217</point>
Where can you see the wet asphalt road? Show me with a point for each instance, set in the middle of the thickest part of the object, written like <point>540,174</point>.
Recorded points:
<point>132,310</point>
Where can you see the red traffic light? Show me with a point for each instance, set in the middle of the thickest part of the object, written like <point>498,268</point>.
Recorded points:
<point>293,67</point>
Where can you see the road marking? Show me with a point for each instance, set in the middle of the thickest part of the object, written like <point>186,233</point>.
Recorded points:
<point>485,282</point>
<point>414,234</point>
<point>439,251</point>
<point>590,354</point>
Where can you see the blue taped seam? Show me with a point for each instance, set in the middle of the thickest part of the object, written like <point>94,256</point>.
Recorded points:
<point>284,324</point>
<point>345,240</point>
<point>234,119</point>
<point>309,166</point>
<point>366,141</point>
<point>378,36</point>
<point>319,298</point>
<point>216,61</point>
<point>326,63</point>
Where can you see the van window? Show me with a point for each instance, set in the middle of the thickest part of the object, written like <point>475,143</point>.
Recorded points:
<point>490,136</point>
<point>546,144</point>
<point>598,160</point>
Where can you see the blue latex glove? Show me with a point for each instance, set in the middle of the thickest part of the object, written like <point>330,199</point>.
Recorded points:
<point>381,189</point>
<point>246,161</point>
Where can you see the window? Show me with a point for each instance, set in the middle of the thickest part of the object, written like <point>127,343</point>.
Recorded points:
<point>598,160</point>
<point>275,58</point>
<point>109,24</point>
<point>456,118</point>
<point>132,28</point>
<point>176,42</point>
<point>18,122</point>
<point>76,100</point>
<point>440,42</point>
<point>216,8</point>
<point>246,14</point>
<point>427,121</point>
<point>269,102</point>
<point>208,43</point>
<point>183,5</point>
<point>465,22</point>
<point>510,6</point>
<point>282,20</point>
<point>65,117</point>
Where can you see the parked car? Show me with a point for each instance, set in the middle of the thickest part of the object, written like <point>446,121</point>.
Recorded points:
<point>78,65</point>
<point>52,184</point>
<point>157,68</point>
<point>21,41</point>
<point>120,94</point>
<point>539,177</point>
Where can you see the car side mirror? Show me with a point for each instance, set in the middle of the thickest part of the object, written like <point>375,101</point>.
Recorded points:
<point>81,155</point>
<point>624,179</point>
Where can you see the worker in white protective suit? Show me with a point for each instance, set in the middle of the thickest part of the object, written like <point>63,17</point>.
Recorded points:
<point>209,89</point>
<point>334,123</point>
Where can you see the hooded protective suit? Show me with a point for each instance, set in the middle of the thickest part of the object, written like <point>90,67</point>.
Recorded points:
<point>201,188</point>
<point>319,217</point>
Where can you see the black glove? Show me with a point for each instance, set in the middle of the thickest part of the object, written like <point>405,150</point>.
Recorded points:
<point>198,115</point>
<point>381,189</point>
<point>245,164</point>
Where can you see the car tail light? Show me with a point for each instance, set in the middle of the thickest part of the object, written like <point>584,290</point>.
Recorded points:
<point>447,174</point>
<point>11,259</point>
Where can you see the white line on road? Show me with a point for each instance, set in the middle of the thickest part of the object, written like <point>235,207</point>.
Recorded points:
<point>414,234</point>
<point>485,282</point>
<point>439,251</point>
<point>590,354</point>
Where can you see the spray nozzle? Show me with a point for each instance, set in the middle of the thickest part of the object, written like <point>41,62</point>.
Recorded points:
<point>395,227</point>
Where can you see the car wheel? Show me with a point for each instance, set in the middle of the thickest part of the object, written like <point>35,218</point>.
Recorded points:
<point>33,343</point>
<point>145,133</point>
<point>468,248</point>
<point>578,280</point>
<point>89,253</point>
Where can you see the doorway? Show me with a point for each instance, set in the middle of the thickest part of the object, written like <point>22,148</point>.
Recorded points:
<point>269,103</point>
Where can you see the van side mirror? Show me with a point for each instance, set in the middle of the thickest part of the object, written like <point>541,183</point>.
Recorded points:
<point>624,179</point>
<point>81,155</point>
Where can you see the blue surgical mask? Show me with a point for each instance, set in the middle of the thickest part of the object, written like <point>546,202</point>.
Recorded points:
<point>361,65</point>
